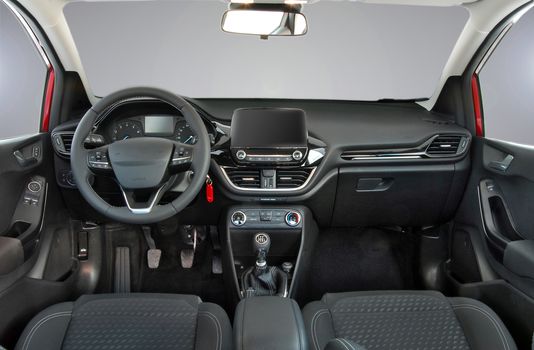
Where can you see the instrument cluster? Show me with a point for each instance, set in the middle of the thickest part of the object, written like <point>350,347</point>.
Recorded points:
<point>168,126</point>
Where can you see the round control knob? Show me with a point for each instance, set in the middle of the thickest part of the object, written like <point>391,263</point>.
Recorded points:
<point>287,267</point>
<point>293,218</point>
<point>34,186</point>
<point>297,155</point>
<point>241,155</point>
<point>239,218</point>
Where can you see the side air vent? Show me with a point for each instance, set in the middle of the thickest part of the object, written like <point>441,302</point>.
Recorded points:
<point>292,178</point>
<point>446,145</point>
<point>244,178</point>
<point>62,142</point>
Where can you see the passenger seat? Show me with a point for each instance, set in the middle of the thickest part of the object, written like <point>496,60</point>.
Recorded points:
<point>403,320</point>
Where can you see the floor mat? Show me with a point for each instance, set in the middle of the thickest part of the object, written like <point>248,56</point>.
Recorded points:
<point>355,259</point>
<point>170,277</point>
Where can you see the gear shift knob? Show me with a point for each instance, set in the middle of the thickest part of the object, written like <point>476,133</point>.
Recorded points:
<point>261,244</point>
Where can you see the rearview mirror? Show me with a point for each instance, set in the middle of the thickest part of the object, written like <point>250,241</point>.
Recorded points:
<point>264,23</point>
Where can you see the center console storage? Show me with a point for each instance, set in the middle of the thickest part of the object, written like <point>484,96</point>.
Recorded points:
<point>269,323</point>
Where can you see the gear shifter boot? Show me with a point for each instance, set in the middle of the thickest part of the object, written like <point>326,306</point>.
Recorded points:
<point>266,281</point>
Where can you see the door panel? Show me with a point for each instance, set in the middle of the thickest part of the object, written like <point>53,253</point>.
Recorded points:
<point>492,250</point>
<point>23,189</point>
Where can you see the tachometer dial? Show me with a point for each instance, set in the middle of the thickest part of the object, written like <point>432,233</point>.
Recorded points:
<point>184,134</point>
<point>127,129</point>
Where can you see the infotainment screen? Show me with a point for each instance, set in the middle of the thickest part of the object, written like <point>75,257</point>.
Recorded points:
<point>159,125</point>
<point>268,128</point>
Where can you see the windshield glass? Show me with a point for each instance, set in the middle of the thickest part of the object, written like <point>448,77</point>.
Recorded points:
<point>352,51</point>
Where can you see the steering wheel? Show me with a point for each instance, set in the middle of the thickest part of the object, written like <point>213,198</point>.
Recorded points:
<point>144,167</point>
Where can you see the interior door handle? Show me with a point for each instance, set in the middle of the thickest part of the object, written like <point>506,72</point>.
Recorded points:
<point>502,165</point>
<point>24,161</point>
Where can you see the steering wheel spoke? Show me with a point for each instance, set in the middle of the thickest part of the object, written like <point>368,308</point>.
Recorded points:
<point>152,197</point>
<point>98,161</point>
<point>182,158</point>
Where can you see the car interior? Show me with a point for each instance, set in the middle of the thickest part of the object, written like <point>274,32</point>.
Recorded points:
<point>266,174</point>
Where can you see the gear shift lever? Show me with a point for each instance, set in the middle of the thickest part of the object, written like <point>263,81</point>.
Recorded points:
<point>261,279</point>
<point>261,244</point>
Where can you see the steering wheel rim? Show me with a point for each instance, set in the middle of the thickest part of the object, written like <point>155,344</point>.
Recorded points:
<point>199,163</point>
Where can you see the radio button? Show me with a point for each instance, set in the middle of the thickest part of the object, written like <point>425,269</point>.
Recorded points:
<point>297,155</point>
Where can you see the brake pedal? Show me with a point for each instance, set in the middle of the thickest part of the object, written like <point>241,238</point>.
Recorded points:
<point>187,257</point>
<point>153,255</point>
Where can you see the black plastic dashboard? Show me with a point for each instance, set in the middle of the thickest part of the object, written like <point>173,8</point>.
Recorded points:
<point>366,163</point>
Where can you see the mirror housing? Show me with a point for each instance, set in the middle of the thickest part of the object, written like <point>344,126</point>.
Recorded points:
<point>264,20</point>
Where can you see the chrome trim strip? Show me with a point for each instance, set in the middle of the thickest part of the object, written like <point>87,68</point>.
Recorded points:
<point>266,190</point>
<point>180,158</point>
<point>384,156</point>
<point>145,210</point>
<point>418,152</point>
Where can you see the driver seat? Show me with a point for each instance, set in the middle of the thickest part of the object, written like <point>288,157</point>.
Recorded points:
<point>129,321</point>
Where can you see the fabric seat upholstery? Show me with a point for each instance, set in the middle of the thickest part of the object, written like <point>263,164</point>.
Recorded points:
<point>403,320</point>
<point>130,321</point>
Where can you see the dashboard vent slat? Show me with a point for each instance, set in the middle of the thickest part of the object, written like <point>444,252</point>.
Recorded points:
<point>444,145</point>
<point>246,178</point>
<point>67,141</point>
<point>292,178</point>
<point>62,142</point>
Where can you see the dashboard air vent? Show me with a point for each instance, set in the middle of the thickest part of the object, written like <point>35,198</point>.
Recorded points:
<point>292,178</point>
<point>62,142</point>
<point>445,145</point>
<point>245,178</point>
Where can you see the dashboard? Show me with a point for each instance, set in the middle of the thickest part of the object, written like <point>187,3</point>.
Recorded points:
<point>351,163</point>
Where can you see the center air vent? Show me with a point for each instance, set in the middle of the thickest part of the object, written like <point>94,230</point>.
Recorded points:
<point>245,178</point>
<point>446,145</point>
<point>292,178</point>
<point>62,142</point>
<point>279,179</point>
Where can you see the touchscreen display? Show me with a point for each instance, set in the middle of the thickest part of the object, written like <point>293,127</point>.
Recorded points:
<point>269,128</point>
<point>159,125</point>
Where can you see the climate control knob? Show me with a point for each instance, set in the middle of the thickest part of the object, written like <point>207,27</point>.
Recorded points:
<point>239,218</point>
<point>293,218</point>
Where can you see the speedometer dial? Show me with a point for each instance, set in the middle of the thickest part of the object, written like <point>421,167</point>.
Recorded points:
<point>127,129</point>
<point>184,134</point>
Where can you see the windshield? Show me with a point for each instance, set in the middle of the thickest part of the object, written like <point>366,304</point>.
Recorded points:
<point>352,51</point>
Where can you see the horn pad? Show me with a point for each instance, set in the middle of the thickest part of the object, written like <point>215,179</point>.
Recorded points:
<point>141,162</point>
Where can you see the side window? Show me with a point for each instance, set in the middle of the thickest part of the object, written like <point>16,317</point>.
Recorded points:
<point>23,75</point>
<point>507,85</point>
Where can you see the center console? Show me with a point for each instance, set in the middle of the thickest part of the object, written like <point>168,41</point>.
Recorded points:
<point>269,323</point>
<point>266,250</point>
